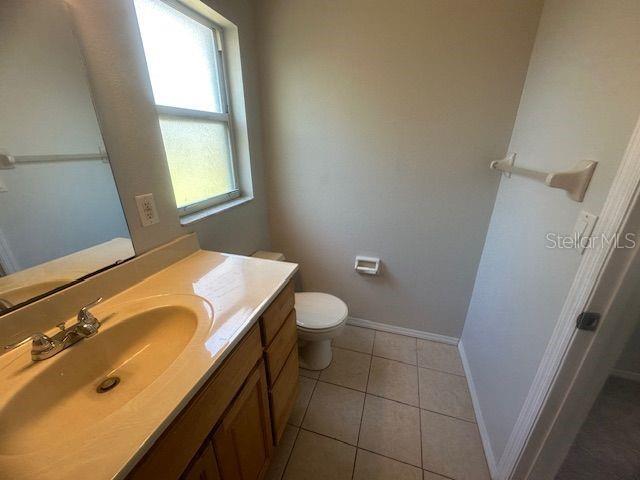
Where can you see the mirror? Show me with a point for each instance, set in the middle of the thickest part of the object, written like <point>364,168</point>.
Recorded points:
<point>60,214</point>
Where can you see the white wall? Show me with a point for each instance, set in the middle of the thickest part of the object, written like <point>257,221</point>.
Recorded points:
<point>52,209</point>
<point>581,101</point>
<point>124,102</point>
<point>380,119</point>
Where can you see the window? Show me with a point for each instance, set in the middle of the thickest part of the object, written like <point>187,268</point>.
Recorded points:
<point>185,62</point>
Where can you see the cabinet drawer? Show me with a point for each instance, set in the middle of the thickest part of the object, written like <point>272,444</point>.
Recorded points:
<point>283,394</point>
<point>278,352</point>
<point>275,315</point>
<point>173,451</point>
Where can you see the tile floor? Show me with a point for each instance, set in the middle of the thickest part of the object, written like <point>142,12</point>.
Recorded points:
<point>388,407</point>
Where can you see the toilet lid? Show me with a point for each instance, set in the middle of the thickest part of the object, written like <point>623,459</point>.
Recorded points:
<point>319,310</point>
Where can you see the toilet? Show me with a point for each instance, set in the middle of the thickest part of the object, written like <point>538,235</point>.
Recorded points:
<point>320,318</point>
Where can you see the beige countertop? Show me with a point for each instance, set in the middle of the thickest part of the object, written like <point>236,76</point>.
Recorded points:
<point>235,290</point>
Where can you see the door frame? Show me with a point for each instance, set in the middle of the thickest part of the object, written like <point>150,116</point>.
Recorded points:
<point>576,362</point>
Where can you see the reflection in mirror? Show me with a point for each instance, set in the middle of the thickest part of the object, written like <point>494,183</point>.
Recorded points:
<point>60,215</point>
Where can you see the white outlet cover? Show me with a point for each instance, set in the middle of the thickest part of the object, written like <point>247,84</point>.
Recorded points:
<point>147,209</point>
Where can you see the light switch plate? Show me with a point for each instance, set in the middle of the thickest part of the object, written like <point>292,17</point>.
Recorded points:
<point>583,229</point>
<point>3,187</point>
<point>147,209</point>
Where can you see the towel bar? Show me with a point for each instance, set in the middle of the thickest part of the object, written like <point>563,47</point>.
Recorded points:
<point>574,181</point>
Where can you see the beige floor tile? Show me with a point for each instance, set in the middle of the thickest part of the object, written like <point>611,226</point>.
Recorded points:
<point>281,453</point>
<point>432,476</point>
<point>315,374</point>
<point>355,338</point>
<point>370,466</point>
<point>439,356</point>
<point>335,412</point>
<point>395,347</point>
<point>445,393</point>
<point>349,369</point>
<point>391,429</point>
<point>394,380</point>
<point>452,447</point>
<point>315,457</point>
<point>305,390</point>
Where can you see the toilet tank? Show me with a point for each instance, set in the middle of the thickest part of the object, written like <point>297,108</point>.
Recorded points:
<point>269,255</point>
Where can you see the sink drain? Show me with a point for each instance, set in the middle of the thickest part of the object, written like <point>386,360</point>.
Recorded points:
<point>107,384</point>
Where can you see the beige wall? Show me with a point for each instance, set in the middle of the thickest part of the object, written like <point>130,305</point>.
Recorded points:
<point>124,103</point>
<point>380,119</point>
<point>581,101</point>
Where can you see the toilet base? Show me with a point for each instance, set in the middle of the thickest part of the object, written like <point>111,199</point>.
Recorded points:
<point>315,355</point>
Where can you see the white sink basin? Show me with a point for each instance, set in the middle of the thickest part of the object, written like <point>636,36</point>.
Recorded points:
<point>137,343</point>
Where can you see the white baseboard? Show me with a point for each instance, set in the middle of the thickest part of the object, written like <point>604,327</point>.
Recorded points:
<point>484,434</point>
<point>383,327</point>
<point>627,374</point>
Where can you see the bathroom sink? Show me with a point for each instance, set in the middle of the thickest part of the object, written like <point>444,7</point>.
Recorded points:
<point>70,392</point>
<point>20,294</point>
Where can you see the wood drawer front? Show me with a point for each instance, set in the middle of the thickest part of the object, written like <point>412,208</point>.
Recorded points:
<point>283,394</point>
<point>278,352</point>
<point>173,451</point>
<point>275,315</point>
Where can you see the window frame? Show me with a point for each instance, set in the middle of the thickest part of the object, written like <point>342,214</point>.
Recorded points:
<point>226,117</point>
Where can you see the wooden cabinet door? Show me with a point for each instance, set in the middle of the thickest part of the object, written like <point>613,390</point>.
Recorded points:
<point>243,441</point>
<point>175,449</point>
<point>204,466</point>
<point>283,395</point>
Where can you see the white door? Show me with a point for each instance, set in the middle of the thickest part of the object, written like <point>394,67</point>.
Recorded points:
<point>577,362</point>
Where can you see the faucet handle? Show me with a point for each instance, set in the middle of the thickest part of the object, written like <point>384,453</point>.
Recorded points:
<point>41,342</point>
<point>85,316</point>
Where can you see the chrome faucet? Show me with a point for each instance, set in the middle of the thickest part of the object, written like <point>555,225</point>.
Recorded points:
<point>5,304</point>
<point>43,346</point>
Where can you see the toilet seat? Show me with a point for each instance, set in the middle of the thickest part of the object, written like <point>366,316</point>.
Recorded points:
<point>319,312</point>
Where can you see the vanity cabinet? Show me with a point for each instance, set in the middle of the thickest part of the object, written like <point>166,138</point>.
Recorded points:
<point>279,335</point>
<point>277,353</point>
<point>204,466</point>
<point>243,442</point>
<point>282,395</point>
<point>228,430</point>
<point>275,315</point>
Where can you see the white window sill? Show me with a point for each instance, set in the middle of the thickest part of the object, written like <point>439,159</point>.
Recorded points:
<point>200,215</point>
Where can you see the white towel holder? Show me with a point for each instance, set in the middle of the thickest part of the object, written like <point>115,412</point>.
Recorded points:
<point>575,181</point>
<point>8,161</point>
